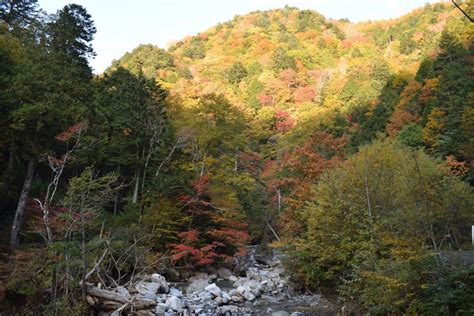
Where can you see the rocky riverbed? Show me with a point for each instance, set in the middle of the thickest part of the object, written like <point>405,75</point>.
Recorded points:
<point>261,289</point>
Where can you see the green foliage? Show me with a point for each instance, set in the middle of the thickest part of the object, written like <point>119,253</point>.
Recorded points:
<point>411,135</point>
<point>366,227</point>
<point>308,19</point>
<point>450,292</point>
<point>196,51</point>
<point>281,60</point>
<point>236,73</point>
<point>147,59</point>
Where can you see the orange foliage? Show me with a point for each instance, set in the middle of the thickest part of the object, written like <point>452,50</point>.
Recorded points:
<point>456,167</point>
<point>399,119</point>
<point>304,94</point>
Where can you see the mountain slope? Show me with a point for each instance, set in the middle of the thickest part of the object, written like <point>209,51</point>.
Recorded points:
<point>304,66</point>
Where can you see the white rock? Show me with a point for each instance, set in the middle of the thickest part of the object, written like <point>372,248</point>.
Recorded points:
<point>205,296</point>
<point>176,292</point>
<point>146,288</point>
<point>214,289</point>
<point>174,303</point>
<point>240,281</point>
<point>197,286</point>
<point>280,313</point>
<point>237,298</point>
<point>213,276</point>
<point>219,300</point>
<point>242,289</point>
<point>225,297</point>
<point>233,278</point>
<point>249,296</point>
<point>161,308</point>
<point>157,278</point>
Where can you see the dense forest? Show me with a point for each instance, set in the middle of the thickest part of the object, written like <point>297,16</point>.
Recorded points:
<point>348,147</point>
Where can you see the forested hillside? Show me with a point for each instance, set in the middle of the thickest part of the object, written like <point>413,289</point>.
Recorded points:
<point>349,147</point>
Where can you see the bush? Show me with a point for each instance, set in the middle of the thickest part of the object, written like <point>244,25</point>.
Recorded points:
<point>375,226</point>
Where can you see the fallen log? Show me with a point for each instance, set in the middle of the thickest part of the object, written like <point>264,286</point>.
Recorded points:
<point>112,299</point>
<point>109,306</point>
<point>108,295</point>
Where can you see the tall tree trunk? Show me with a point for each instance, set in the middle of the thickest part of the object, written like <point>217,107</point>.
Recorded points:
<point>20,210</point>
<point>11,156</point>
<point>137,186</point>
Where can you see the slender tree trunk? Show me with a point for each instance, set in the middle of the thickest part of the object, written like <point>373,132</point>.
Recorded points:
<point>117,202</point>
<point>20,210</point>
<point>137,186</point>
<point>279,201</point>
<point>11,156</point>
<point>83,256</point>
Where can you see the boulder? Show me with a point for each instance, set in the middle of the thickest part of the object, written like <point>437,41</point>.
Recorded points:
<point>249,296</point>
<point>280,313</point>
<point>174,303</point>
<point>219,301</point>
<point>224,273</point>
<point>205,296</point>
<point>197,286</point>
<point>157,278</point>
<point>147,288</point>
<point>161,308</point>
<point>237,299</point>
<point>240,281</point>
<point>214,289</point>
<point>225,297</point>
<point>242,289</point>
<point>176,292</point>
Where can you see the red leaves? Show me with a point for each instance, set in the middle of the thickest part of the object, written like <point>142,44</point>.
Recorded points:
<point>190,235</point>
<point>214,233</point>
<point>200,184</point>
<point>284,121</point>
<point>321,152</point>
<point>195,256</point>
<point>185,199</point>
<point>289,78</point>
<point>231,236</point>
<point>71,131</point>
<point>265,100</point>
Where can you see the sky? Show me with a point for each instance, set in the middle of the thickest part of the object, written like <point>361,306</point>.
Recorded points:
<point>122,25</point>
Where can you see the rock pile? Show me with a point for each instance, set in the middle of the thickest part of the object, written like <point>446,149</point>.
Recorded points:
<point>222,293</point>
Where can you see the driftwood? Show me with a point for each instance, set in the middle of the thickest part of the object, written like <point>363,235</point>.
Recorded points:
<point>108,295</point>
<point>109,306</point>
<point>113,301</point>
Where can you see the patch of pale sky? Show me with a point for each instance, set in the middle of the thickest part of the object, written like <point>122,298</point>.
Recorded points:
<point>124,24</point>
